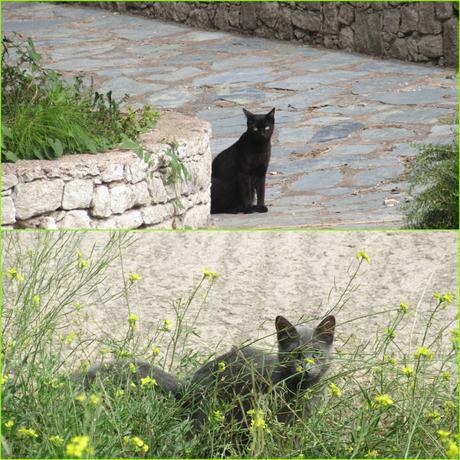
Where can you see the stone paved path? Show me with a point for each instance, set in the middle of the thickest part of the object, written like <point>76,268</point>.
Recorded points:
<point>345,122</point>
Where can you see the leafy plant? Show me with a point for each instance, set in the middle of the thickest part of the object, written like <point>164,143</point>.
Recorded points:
<point>45,117</point>
<point>434,183</point>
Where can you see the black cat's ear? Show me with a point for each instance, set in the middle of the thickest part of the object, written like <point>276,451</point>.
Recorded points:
<point>285,331</point>
<point>325,330</point>
<point>271,114</point>
<point>248,114</point>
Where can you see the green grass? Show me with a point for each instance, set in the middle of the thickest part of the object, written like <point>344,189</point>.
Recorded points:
<point>380,398</point>
<point>45,116</point>
<point>433,182</point>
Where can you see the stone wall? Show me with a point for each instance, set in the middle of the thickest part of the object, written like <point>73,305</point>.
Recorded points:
<point>115,189</point>
<point>420,32</point>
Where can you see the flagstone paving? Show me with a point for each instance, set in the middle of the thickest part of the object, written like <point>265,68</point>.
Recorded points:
<point>345,123</point>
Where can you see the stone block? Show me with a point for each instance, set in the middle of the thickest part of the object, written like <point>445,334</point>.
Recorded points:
<point>136,171</point>
<point>398,49</point>
<point>78,194</point>
<point>113,172</point>
<point>368,27</point>
<point>141,194</point>
<point>122,197</point>
<point>248,18</point>
<point>391,20</point>
<point>8,211</point>
<point>346,38</point>
<point>75,219</point>
<point>331,21</point>
<point>450,42</point>
<point>409,18</point>
<point>8,181</point>
<point>430,46</point>
<point>38,197</point>
<point>157,190</point>
<point>444,10</point>
<point>152,215</point>
<point>308,20</point>
<point>346,14</point>
<point>130,219</point>
<point>100,205</point>
<point>427,23</point>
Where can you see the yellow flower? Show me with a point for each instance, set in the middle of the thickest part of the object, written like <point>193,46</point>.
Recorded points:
<point>81,398</point>
<point>85,365</point>
<point>148,382</point>
<point>133,385</point>
<point>14,274</point>
<point>447,298</point>
<point>446,375</point>
<point>362,255</point>
<point>136,443</point>
<point>167,325</point>
<point>310,361</point>
<point>119,393</point>
<point>424,351</point>
<point>156,351</point>
<point>452,451</point>
<point>390,360</point>
<point>95,400</point>
<point>257,420</point>
<point>124,354</point>
<point>383,400</point>
<point>36,300</point>
<point>133,368</point>
<point>70,337</point>
<point>210,275</point>
<point>299,369</point>
<point>444,434</point>
<point>404,307</point>
<point>79,447</point>
<point>372,454</point>
<point>4,379</point>
<point>134,277</point>
<point>26,433</point>
<point>408,371</point>
<point>133,319</point>
<point>391,334</point>
<point>449,407</point>
<point>77,306</point>
<point>9,424</point>
<point>335,390</point>
<point>56,440</point>
<point>218,416</point>
<point>435,415</point>
<point>83,264</point>
<point>222,366</point>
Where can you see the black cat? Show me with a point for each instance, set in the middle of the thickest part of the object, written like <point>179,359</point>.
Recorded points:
<point>238,173</point>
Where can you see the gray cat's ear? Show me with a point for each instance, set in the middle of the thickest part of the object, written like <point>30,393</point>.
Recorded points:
<point>325,330</point>
<point>285,331</point>
<point>271,114</point>
<point>248,114</point>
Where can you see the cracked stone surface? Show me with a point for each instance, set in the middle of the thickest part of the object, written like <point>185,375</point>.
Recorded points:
<point>345,122</point>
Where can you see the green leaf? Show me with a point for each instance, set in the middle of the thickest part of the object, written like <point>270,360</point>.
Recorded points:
<point>10,156</point>
<point>57,147</point>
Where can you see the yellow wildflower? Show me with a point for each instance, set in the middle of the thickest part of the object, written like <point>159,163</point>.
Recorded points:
<point>133,368</point>
<point>390,360</point>
<point>124,354</point>
<point>362,255</point>
<point>81,398</point>
<point>167,325</point>
<point>156,351</point>
<point>133,385</point>
<point>449,407</point>
<point>57,440</point>
<point>70,337</point>
<point>136,443</point>
<point>95,400</point>
<point>77,306</point>
<point>404,307</point>
<point>36,300</point>
<point>14,274</point>
<point>218,416</point>
<point>79,447</point>
<point>335,390</point>
<point>435,415</point>
<point>310,361</point>
<point>299,369</point>
<point>446,375</point>
<point>383,400</point>
<point>133,319</point>
<point>257,420</point>
<point>372,454</point>
<point>391,334</point>
<point>119,393</point>
<point>452,451</point>
<point>85,365</point>
<point>408,371</point>
<point>4,379</point>
<point>148,382</point>
<point>9,424</point>
<point>443,434</point>
<point>210,275</point>
<point>133,277</point>
<point>26,433</point>
<point>424,351</point>
<point>445,298</point>
<point>222,366</point>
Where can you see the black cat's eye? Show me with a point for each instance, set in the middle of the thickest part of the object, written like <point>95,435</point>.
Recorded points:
<point>267,128</point>
<point>255,129</point>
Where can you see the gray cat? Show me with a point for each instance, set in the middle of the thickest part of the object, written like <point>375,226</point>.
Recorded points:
<point>236,378</point>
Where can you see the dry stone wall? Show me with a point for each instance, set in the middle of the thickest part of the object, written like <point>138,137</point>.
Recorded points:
<point>411,31</point>
<point>115,189</point>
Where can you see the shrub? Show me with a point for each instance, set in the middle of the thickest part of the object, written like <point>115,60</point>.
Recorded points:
<point>44,116</point>
<point>382,398</point>
<point>434,183</point>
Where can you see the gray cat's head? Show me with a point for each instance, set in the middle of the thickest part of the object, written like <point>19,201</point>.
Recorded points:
<point>303,350</point>
<point>260,126</point>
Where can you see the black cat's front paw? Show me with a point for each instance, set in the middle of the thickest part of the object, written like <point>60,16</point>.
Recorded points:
<point>260,208</point>
<point>249,210</point>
